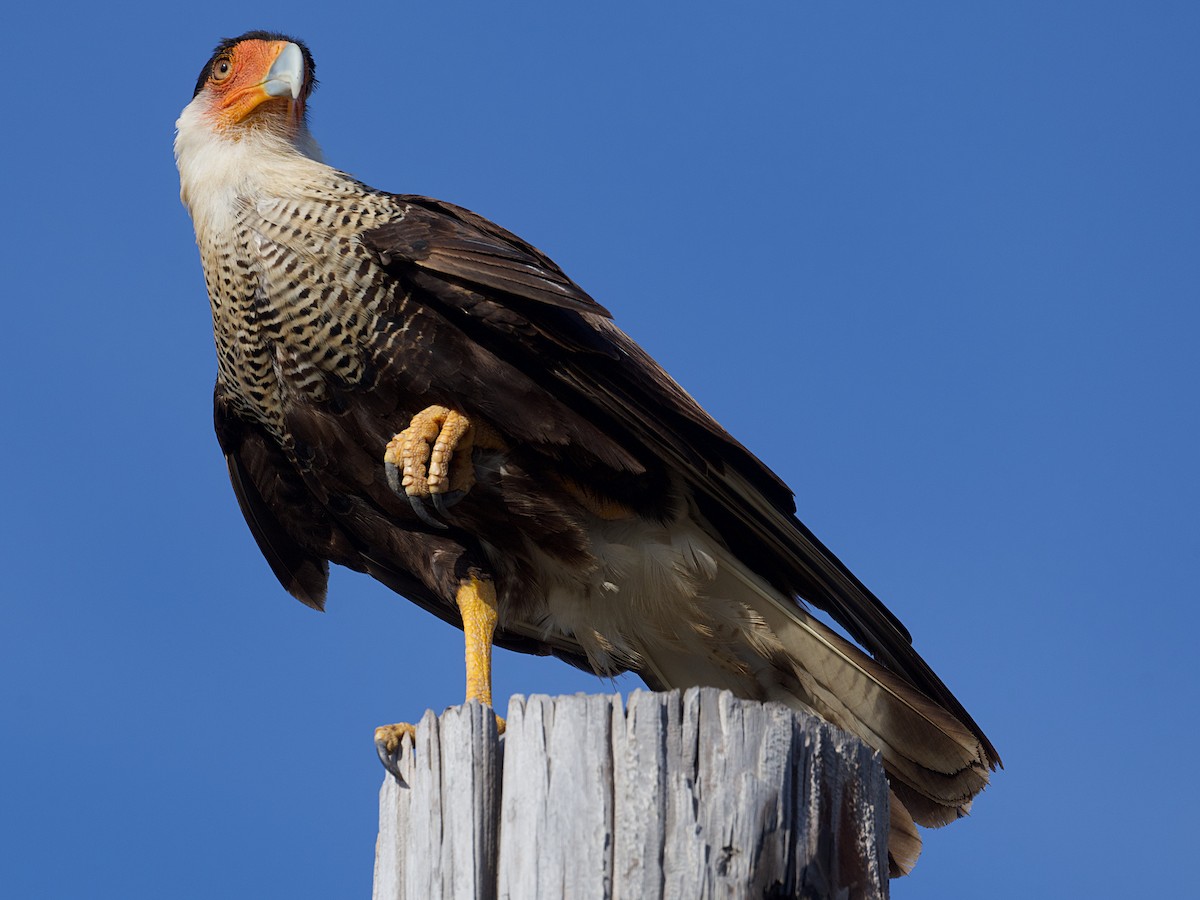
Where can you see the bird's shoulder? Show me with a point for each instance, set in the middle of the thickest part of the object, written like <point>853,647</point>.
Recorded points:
<point>456,243</point>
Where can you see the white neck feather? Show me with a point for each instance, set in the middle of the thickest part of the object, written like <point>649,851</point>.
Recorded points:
<point>219,168</point>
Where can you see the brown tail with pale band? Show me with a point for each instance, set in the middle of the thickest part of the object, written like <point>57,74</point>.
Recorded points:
<point>935,764</point>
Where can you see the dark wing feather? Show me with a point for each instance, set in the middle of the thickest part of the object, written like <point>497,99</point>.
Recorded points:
<point>524,308</point>
<point>456,243</point>
<point>265,483</point>
<point>527,325</point>
<point>270,491</point>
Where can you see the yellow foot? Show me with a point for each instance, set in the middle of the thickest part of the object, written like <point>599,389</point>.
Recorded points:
<point>387,744</point>
<point>429,462</point>
<point>477,603</point>
<point>390,738</point>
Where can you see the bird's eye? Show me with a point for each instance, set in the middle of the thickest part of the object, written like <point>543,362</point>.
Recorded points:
<point>222,68</point>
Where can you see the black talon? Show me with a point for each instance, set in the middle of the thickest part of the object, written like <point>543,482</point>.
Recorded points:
<point>390,760</point>
<point>418,506</point>
<point>443,502</point>
<point>417,503</point>
<point>393,477</point>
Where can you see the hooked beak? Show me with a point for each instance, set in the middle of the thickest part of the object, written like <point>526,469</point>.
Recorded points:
<point>286,76</point>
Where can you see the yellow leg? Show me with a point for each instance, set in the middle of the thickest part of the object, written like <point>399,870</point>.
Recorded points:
<point>477,602</point>
<point>476,599</point>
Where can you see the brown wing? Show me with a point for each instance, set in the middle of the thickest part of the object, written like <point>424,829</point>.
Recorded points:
<point>299,531</point>
<point>511,299</point>
<point>266,485</point>
<point>456,243</point>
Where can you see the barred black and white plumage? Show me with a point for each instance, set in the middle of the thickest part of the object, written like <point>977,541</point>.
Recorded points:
<point>621,526</point>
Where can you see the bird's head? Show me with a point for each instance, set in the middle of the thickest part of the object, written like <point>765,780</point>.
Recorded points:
<point>260,80</point>
<point>246,117</point>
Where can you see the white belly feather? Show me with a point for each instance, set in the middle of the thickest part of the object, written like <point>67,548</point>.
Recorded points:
<point>669,600</point>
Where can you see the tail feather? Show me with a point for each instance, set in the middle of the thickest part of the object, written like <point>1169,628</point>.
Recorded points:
<point>904,842</point>
<point>921,744</point>
<point>936,765</point>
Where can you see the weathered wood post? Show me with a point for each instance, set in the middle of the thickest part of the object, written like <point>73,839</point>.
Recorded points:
<point>692,795</point>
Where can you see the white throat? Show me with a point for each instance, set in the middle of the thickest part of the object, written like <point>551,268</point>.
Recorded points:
<point>219,169</point>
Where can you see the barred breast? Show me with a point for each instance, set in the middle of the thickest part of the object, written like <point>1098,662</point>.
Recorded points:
<point>296,299</point>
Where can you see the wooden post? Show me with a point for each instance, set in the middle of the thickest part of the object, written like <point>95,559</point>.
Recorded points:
<point>693,795</point>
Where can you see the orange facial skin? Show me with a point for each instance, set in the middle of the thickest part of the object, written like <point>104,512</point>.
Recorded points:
<point>238,80</point>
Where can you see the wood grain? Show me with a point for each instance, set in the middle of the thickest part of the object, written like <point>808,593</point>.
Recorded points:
<point>693,795</point>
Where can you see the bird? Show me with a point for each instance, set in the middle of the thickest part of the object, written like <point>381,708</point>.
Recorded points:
<point>406,389</point>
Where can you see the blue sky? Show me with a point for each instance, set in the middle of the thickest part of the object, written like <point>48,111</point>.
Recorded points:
<point>936,266</point>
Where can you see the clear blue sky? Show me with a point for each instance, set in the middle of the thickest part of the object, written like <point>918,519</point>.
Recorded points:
<point>938,267</point>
